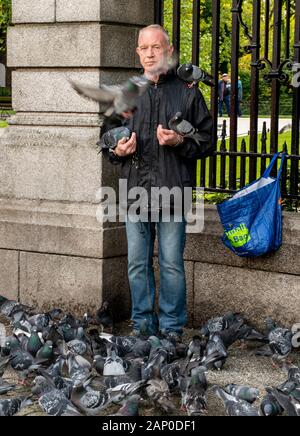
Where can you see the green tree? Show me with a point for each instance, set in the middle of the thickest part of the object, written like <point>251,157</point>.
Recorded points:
<point>5,19</point>
<point>205,59</point>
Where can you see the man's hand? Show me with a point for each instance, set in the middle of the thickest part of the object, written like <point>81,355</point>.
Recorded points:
<point>168,137</point>
<point>126,147</point>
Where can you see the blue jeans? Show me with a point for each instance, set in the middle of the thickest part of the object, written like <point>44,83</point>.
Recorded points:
<point>172,315</point>
<point>227,104</point>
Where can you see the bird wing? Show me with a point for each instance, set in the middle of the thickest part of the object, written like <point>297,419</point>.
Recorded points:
<point>104,94</point>
<point>142,83</point>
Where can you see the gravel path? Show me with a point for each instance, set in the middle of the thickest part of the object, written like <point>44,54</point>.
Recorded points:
<point>242,367</point>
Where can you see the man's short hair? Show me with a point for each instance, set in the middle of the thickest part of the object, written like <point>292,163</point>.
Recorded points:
<point>157,27</point>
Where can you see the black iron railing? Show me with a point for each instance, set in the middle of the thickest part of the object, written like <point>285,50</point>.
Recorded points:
<point>273,43</point>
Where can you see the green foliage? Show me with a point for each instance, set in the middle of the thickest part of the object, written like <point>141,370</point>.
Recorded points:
<point>5,19</point>
<point>205,60</point>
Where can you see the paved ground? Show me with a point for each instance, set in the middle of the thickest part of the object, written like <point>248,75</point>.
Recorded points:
<point>244,124</point>
<point>242,367</point>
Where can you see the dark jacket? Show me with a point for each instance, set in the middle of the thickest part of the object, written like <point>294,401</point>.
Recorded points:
<point>154,165</point>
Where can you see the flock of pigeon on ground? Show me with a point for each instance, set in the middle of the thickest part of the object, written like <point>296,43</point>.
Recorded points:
<point>62,359</point>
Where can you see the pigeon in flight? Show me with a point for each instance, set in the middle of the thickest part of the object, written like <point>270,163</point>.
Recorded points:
<point>120,98</point>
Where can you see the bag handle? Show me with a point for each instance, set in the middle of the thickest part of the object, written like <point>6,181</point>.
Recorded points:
<point>272,164</point>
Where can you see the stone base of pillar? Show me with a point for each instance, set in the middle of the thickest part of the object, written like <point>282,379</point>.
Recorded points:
<point>55,254</point>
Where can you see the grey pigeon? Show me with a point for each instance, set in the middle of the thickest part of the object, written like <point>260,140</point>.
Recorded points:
<point>243,392</point>
<point>52,401</point>
<point>133,375</point>
<point>214,325</point>
<point>158,391</point>
<point>4,362</point>
<point>193,75</point>
<point>195,401</point>
<point>12,406</point>
<point>280,342</point>
<point>79,368</point>
<point>270,406</point>
<point>170,374</point>
<point>110,140</point>
<point>121,392</point>
<point>185,129</point>
<point>6,387</point>
<point>120,98</point>
<point>216,345</point>
<point>42,320</point>
<point>46,353</point>
<point>233,405</point>
<point>34,342</point>
<point>131,407</point>
<point>113,365</point>
<point>288,403</point>
<point>292,385</point>
<point>89,401</point>
<point>77,346</point>
<point>153,367</point>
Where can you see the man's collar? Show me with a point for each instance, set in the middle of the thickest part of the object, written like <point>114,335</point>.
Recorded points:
<point>164,77</point>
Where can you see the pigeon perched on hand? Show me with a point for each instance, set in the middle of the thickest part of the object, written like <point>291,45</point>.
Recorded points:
<point>111,138</point>
<point>185,129</point>
<point>120,98</point>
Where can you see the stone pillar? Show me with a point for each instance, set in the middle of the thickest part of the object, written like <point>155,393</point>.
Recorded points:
<point>52,249</point>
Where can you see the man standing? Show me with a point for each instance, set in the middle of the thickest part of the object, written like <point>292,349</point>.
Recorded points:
<point>240,97</point>
<point>224,94</point>
<point>155,156</point>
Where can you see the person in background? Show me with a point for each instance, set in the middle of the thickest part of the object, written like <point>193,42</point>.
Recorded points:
<point>224,94</point>
<point>240,97</point>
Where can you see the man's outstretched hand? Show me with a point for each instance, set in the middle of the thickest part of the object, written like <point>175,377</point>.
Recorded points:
<point>126,147</point>
<point>168,137</point>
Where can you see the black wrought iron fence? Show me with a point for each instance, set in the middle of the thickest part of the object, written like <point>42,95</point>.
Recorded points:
<point>273,49</point>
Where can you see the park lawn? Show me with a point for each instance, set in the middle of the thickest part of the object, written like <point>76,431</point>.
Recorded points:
<point>285,137</point>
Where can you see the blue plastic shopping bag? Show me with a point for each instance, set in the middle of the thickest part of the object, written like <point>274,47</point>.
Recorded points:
<point>252,218</point>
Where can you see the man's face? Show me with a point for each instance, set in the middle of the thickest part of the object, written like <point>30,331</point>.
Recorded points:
<point>154,51</point>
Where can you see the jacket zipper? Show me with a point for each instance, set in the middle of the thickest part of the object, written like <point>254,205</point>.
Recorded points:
<point>155,122</point>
